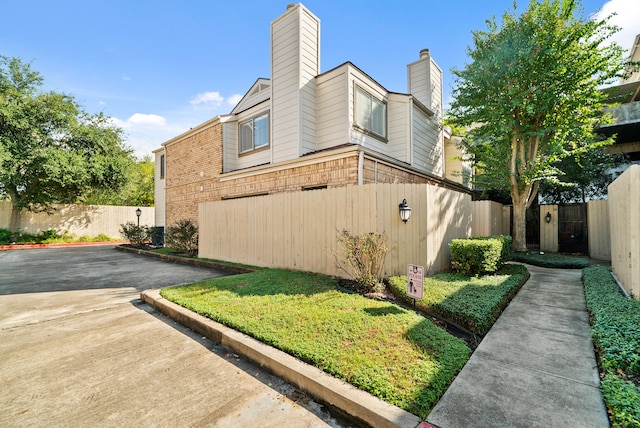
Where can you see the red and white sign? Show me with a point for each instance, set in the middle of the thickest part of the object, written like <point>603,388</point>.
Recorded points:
<point>415,281</point>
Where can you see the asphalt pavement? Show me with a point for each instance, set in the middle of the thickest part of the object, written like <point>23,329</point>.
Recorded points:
<point>78,348</point>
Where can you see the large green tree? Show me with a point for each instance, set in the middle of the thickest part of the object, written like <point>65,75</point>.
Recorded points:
<point>138,190</point>
<point>51,150</point>
<point>584,177</point>
<point>530,97</point>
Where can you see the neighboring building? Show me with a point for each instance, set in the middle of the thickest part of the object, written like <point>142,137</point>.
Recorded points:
<point>302,130</point>
<point>626,112</point>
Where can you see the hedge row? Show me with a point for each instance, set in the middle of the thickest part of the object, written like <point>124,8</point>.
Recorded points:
<point>615,328</point>
<point>478,256</point>
<point>551,260</point>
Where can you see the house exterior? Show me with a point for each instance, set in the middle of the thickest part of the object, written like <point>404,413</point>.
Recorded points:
<point>302,129</point>
<point>626,111</point>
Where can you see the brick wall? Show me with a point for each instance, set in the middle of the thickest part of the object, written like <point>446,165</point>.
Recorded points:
<point>377,172</point>
<point>191,164</point>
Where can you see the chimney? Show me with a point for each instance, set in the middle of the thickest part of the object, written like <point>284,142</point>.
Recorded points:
<point>424,79</point>
<point>295,62</point>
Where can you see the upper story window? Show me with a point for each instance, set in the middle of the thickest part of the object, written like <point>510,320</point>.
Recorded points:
<point>254,133</point>
<point>161,166</point>
<point>371,113</point>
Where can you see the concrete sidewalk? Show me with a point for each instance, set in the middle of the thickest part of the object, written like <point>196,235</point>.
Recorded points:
<point>535,368</point>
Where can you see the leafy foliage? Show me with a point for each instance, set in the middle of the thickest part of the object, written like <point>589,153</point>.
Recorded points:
<point>470,301</point>
<point>479,255</point>
<point>393,353</point>
<point>551,260</point>
<point>139,236</point>
<point>364,255</point>
<point>183,237</point>
<point>47,237</point>
<point>615,328</point>
<point>138,190</point>
<point>583,178</point>
<point>51,150</point>
<point>531,96</point>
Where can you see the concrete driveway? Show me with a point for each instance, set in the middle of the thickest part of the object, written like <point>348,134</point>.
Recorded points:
<point>77,348</point>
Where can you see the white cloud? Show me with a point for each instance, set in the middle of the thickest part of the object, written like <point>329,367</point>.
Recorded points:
<point>124,77</point>
<point>627,18</point>
<point>146,119</point>
<point>208,98</point>
<point>234,99</point>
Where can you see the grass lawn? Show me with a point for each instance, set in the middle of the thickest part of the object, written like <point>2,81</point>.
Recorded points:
<point>472,302</point>
<point>393,353</point>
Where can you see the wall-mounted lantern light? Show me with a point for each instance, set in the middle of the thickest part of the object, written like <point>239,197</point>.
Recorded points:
<point>138,213</point>
<point>547,218</point>
<point>405,211</point>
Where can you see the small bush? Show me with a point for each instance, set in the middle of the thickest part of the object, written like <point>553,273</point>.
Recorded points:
<point>5,236</point>
<point>615,328</point>
<point>139,236</point>
<point>476,256</point>
<point>551,260</point>
<point>183,237</point>
<point>364,254</point>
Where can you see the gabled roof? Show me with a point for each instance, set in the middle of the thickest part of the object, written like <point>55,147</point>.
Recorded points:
<point>259,91</point>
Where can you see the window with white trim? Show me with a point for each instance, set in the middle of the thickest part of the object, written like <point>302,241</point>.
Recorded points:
<point>254,133</point>
<point>162,166</point>
<point>371,113</point>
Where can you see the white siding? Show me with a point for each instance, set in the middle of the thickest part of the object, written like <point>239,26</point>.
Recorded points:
<point>230,146</point>
<point>332,112</point>
<point>427,144</point>
<point>159,192</point>
<point>418,80</point>
<point>399,126</point>
<point>294,64</point>
<point>258,93</point>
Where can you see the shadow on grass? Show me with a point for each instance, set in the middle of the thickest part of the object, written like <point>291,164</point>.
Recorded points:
<point>390,310</point>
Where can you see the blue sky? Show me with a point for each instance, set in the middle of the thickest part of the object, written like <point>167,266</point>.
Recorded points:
<point>161,67</point>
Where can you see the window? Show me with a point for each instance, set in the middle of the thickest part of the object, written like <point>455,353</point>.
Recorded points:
<point>371,113</point>
<point>254,133</point>
<point>161,166</point>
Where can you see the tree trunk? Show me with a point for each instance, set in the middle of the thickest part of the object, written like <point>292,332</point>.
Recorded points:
<point>14,224</point>
<point>519,243</point>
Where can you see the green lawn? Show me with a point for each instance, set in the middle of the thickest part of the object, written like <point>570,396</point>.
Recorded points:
<point>472,302</point>
<point>391,352</point>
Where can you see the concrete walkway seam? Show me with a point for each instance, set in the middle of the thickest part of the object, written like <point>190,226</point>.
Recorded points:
<point>325,388</point>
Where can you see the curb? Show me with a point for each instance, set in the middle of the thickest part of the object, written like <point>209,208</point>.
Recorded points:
<point>57,245</point>
<point>187,260</point>
<point>336,393</point>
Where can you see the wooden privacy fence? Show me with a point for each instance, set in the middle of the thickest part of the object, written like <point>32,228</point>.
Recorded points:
<point>299,230</point>
<point>79,220</point>
<point>624,209</point>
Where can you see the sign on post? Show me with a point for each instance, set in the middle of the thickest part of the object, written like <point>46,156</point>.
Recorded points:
<point>415,281</point>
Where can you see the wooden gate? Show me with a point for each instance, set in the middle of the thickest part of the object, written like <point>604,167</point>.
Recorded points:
<point>572,229</point>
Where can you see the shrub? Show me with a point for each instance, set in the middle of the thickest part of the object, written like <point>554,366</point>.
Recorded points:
<point>551,260</point>
<point>5,236</point>
<point>476,256</point>
<point>364,254</point>
<point>615,328</point>
<point>137,235</point>
<point>183,237</point>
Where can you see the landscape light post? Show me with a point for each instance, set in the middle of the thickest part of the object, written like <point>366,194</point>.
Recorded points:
<point>138,213</point>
